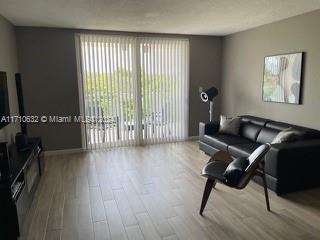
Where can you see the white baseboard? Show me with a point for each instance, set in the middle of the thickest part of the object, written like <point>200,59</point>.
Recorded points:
<point>63,151</point>
<point>193,138</point>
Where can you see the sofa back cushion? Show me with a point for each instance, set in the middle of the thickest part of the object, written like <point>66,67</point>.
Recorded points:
<point>254,120</point>
<point>264,130</point>
<point>249,131</point>
<point>279,126</point>
<point>267,135</point>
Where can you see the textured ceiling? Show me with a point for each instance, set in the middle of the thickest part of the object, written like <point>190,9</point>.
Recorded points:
<point>205,17</point>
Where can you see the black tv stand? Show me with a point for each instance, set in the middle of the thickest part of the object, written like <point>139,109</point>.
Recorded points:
<point>18,189</point>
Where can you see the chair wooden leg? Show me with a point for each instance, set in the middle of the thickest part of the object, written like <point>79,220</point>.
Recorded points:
<point>266,190</point>
<point>214,184</point>
<point>207,190</point>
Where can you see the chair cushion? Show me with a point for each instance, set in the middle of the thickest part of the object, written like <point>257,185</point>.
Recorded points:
<point>222,141</point>
<point>215,169</point>
<point>235,170</point>
<point>250,131</point>
<point>243,150</point>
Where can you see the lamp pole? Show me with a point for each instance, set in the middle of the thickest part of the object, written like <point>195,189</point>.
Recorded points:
<point>209,95</point>
<point>211,111</point>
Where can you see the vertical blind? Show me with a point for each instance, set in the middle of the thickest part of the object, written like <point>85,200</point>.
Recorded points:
<point>133,91</point>
<point>164,91</point>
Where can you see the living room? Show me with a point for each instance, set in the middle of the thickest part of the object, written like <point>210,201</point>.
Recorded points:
<point>159,120</point>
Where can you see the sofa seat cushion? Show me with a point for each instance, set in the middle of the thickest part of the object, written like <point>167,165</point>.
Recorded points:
<point>222,141</point>
<point>243,149</point>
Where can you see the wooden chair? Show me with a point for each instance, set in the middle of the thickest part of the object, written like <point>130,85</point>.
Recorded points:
<point>215,171</point>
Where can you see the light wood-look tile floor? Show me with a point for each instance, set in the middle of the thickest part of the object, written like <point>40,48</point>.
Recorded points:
<point>154,192</point>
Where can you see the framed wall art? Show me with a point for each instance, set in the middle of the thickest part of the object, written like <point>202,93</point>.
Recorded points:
<point>282,78</point>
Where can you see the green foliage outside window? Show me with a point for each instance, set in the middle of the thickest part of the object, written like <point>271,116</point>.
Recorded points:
<point>101,88</point>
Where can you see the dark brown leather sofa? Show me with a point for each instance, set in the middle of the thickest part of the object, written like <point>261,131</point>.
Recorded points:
<point>289,166</point>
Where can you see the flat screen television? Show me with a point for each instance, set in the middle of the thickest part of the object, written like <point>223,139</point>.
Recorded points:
<point>4,100</point>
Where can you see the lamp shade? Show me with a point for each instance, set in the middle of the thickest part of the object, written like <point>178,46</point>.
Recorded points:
<point>209,94</point>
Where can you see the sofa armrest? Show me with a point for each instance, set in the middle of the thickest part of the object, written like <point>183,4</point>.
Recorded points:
<point>299,149</point>
<point>300,145</point>
<point>208,128</point>
<point>294,163</point>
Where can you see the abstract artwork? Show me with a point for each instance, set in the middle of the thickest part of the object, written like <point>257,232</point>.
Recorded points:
<point>282,78</point>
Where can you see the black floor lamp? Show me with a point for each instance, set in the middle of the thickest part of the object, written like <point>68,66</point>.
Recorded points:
<point>209,95</point>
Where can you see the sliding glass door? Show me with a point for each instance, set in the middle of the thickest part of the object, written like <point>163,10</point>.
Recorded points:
<point>164,89</point>
<point>133,91</point>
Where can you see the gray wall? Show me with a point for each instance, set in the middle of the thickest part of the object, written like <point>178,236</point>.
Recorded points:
<point>205,71</point>
<point>48,65</point>
<point>9,64</point>
<point>49,75</point>
<point>242,69</point>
